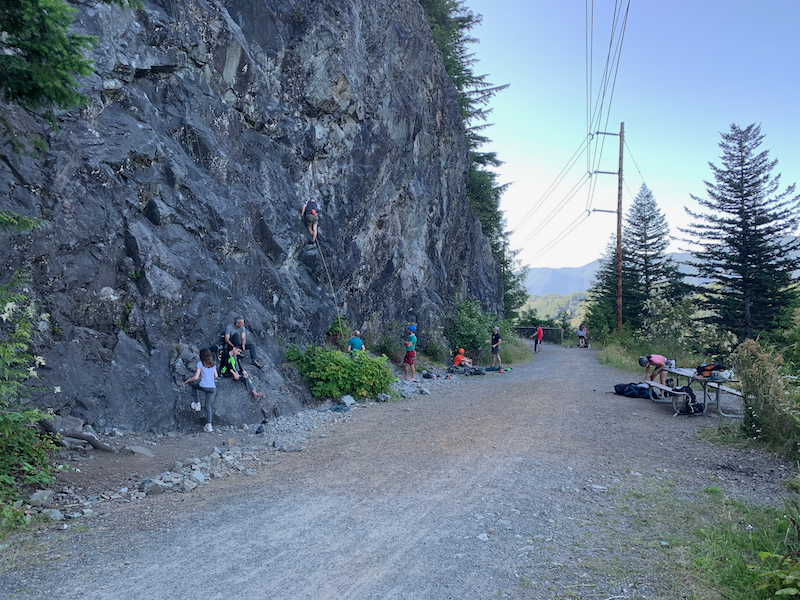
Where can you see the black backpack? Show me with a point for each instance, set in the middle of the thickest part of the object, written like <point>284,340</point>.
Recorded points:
<point>692,406</point>
<point>631,390</point>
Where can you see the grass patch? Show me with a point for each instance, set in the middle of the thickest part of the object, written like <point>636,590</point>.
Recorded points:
<point>698,545</point>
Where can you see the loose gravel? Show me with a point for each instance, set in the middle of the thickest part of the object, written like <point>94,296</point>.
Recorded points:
<point>527,484</point>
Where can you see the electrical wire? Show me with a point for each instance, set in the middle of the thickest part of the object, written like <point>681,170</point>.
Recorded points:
<point>552,187</point>
<point>570,228</point>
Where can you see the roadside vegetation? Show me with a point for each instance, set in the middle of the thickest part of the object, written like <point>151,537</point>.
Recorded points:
<point>742,309</point>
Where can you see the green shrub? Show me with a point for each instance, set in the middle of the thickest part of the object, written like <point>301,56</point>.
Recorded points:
<point>779,572</point>
<point>332,373</point>
<point>339,333</point>
<point>26,454</point>
<point>471,328</point>
<point>772,407</point>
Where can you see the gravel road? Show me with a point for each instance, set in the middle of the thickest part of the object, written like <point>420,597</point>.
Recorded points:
<point>509,485</point>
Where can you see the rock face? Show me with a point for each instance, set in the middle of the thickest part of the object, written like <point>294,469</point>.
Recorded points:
<point>171,201</point>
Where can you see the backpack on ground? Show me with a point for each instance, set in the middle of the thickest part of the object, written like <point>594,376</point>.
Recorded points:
<point>632,390</point>
<point>692,406</point>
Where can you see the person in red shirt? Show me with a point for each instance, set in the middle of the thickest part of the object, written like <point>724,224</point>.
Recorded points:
<point>462,360</point>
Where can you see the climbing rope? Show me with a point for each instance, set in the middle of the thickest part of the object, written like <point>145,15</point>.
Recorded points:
<point>330,282</point>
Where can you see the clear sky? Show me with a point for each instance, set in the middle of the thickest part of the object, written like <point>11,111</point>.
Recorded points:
<point>687,70</point>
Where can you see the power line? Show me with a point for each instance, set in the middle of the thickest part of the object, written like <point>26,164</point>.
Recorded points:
<point>552,187</point>
<point>557,209</point>
<point>570,228</point>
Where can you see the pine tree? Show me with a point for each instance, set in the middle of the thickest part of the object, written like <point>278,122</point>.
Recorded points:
<point>450,22</point>
<point>40,58</point>
<point>601,311</point>
<point>745,239</point>
<point>646,237</point>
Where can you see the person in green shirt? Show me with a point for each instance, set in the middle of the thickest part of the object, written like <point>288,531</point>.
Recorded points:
<point>411,353</point>
<point>233,368</point>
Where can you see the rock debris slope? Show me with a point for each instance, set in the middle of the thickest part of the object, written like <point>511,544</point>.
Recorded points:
<point>171,201</point>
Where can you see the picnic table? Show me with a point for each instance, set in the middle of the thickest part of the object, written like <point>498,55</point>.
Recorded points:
<point>714,383</point>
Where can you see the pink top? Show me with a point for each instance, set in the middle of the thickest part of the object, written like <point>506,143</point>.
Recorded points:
<point>657,359</point>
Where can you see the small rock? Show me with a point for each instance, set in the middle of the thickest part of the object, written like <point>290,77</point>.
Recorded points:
<point>42,498</point>
<point>137,451</point>
<point>424,392</point>
<point>347,400</point>
<point>188,485</point>
<point>383,397</point>
<point>198,477</point>
<point>483,537</point>
<point>152,486</point>
<point>53,514</point>
<point>599,488</point>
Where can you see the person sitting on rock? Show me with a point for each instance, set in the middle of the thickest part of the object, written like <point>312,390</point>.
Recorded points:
<point>236,336</point>
<point>233,368</point>
<point>461,360</point>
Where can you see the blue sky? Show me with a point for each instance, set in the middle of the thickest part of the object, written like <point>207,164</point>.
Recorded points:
<point>687,70</point>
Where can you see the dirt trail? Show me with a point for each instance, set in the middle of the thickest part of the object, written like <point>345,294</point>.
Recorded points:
<point>506,485</point>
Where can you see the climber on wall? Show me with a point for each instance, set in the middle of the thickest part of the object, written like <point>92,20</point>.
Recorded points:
<point>310,215</point>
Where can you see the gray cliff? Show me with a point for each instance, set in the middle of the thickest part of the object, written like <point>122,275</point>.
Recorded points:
<point>171,201</point>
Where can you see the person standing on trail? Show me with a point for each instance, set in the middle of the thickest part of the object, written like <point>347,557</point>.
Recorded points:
<point>310,215</point>
<point>658,363</point>
<point>495,342</point>
<point>411,353</point>
<point>537,346</point>
<point>582,336</point>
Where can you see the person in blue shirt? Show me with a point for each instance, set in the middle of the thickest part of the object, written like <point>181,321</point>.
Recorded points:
<point>355,343</point>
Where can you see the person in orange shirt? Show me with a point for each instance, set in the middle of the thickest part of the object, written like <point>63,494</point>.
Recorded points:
<point>461,360</point>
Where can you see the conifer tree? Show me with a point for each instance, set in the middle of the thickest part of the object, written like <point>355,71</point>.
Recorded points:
<point>745,238</point>
<point>40,58</point>
<point>601,311</point>
<point>450,22</point>
<point>646,237</point>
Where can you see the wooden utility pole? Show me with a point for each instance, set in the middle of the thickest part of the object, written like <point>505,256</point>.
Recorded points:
<point>619,230</point>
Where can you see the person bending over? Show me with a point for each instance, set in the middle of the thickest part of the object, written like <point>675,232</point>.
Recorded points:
<point>658,363</point>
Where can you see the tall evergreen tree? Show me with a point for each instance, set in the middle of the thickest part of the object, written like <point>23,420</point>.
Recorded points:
<point>745,240</point>
<point>601,311</point>
<point>450,22</point>
<point>646,237</point>
<point>40,58</point>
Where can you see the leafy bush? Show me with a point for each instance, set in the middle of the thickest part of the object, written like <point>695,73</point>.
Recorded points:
<point>26,455</point>
<point>339,333</point>
<point>772,407</point>
<point>332,373</point>
<point>781,577</point>
<point>471,328</point>
<point>388,344</point>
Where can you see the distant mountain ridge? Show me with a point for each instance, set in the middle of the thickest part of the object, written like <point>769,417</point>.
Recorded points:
<point>566,280</point>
